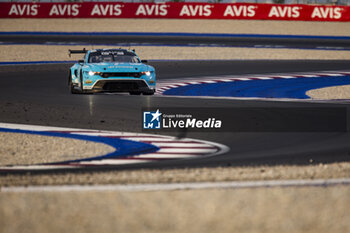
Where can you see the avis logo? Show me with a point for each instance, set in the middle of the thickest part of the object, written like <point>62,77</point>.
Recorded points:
<point>151,120</point>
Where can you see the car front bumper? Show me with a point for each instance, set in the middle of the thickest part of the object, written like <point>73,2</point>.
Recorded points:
<point>119,85</point>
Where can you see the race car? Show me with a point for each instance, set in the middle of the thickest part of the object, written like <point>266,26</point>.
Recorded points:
<point>111,70</point>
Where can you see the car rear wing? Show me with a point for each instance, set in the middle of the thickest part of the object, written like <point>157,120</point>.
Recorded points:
<point>71,51</point>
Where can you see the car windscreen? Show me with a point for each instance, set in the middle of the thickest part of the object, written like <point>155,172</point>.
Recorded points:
<point>113,56</point>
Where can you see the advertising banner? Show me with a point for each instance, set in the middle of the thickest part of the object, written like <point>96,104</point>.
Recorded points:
<point>175,10</point>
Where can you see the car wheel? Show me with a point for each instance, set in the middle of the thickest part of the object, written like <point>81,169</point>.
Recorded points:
<point>71,87</point>
<point>81,84</point>
<point>149,92</point>
<point>135,92</point>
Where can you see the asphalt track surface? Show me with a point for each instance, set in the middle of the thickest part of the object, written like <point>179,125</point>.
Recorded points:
<point>38,94</point>
<point>177,39</point>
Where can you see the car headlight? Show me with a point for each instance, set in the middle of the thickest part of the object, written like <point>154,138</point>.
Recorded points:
<point>148,73</point>
<point>91,73</point>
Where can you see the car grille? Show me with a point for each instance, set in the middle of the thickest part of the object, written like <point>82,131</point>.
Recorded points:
<point>121,74</point>
<point>123,85</point>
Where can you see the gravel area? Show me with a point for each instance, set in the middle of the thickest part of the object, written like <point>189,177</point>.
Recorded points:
<point>337,92</point>
<point>21,149</point>
<point>60,53</point>
<point>271,210</point>
<point>173,25</point>
<point>312,171</point>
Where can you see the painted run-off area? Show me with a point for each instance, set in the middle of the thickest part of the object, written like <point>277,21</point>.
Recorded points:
<point>285,86</point>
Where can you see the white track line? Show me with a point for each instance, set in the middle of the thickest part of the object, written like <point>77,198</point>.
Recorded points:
<point>333,75</point>
<point>112,162</point>
<point>242,79</point>
<point>140,139</point>
<point>187,150</point>
<point>39,167</point>
<point>263,78</point>
<point>166,156</point>
<point>285,76</point>
<point>178,186</point>
<point>181,145</point>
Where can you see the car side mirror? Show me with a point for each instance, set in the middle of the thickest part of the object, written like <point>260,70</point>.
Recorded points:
<point>81,61</point>
<point>144,61</point>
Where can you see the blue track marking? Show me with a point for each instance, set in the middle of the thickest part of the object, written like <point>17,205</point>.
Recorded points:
<point>275,88</point>
<point>123,147</point>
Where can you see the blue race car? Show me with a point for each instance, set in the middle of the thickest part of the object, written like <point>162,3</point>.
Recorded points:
<point>111,70</point>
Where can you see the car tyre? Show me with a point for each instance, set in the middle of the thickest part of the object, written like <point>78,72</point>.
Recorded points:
<point>71,87</point>
<point>135,92</point>
<point>149,92</point>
